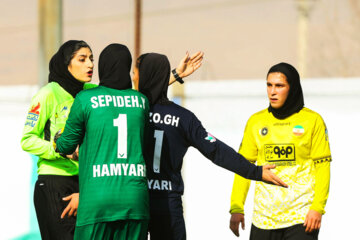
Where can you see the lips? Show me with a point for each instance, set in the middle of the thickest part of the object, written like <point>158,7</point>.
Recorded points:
<point>90,73</point>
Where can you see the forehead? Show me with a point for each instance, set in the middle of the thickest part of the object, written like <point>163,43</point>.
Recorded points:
<point>276,78</point>
<point>84,51</point>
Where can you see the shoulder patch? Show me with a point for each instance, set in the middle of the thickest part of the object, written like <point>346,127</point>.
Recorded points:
<point>33,115</point>
<point>35,109</point>
<point>210,138</point>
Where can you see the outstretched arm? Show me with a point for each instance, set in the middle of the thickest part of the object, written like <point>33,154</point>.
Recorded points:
<point>187,65</point>
<point>224,156</point>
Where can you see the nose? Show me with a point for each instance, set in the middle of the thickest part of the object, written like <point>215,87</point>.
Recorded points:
<point>90,64</point>
<point>273,90</point>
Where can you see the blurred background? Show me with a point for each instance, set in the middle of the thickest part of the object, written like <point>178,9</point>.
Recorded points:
<point>241,40</point>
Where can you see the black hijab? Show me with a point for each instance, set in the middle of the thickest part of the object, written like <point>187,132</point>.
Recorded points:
<point>154,74</point>
<point>59,63</point>
<point>295,100</point>
<point>114,67</point>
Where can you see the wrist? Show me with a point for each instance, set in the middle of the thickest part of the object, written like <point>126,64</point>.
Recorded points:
<point>61,155</point>
<point>317,209</point>
<point>177,76</point>
<point>237,211</point>
<point>180,73</point>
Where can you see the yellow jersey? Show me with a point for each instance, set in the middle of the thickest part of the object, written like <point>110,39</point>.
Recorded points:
<point>299,147</point>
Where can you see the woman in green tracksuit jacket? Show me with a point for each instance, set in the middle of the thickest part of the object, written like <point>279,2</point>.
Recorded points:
<point>56,190</point>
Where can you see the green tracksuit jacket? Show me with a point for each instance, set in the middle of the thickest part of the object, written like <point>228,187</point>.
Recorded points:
<point>48,113</point>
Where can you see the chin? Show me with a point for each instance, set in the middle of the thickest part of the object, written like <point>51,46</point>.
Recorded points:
<point>275,106</point>
<point>84,80</point>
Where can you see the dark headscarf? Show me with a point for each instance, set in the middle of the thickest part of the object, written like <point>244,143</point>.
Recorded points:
<point>295,99</point>
<point>154,74</point>
<point>59,67</point>
<point>114,67</point>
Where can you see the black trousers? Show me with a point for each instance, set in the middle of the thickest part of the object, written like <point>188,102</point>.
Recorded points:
<point>296,232</point>
<point>49,191</point>
<point>166,219</point>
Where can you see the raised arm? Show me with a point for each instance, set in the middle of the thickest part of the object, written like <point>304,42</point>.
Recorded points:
<point>187,65</point>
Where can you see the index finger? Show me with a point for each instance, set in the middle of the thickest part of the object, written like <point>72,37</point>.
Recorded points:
<point>309,226</point>
<point>277,181</point>
<point>71,212</point>
<point>186,57</point>
<point>196,61</point>
<point>242,224</point>
<point>66,210</point>
<point>234,228</point>
<point>196,56</point>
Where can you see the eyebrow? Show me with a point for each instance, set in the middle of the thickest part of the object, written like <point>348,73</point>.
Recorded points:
<point>84,55</point>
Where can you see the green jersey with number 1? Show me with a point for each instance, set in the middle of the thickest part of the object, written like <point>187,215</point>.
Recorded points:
<point>109,125</point>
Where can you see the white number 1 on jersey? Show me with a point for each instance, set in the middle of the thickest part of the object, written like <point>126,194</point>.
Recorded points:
<point>158,135</point>
<point>121,123</point>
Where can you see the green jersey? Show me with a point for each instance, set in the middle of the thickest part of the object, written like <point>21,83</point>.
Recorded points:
<point>109,125</point>
<point>48,113</point>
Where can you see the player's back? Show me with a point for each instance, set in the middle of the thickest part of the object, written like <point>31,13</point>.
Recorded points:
<point>112,168</point>
<point>170,126</point>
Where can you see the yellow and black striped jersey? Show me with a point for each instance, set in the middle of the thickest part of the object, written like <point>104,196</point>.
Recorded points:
<point>297,145</point>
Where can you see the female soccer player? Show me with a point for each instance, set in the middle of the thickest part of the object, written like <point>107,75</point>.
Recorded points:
<point>71,68</point>
<point>173,130</point>
<point>109,124</point>
<point>295,139</point>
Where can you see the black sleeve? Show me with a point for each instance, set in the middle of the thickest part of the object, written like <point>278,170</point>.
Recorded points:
<point>220,153</point>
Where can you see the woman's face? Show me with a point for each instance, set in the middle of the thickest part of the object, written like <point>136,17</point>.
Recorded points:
<point>277,89</point>
<point>136,78</point>
<point>81,65</point>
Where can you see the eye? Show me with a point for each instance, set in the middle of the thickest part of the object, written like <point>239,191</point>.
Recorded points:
<point>82,59</point>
